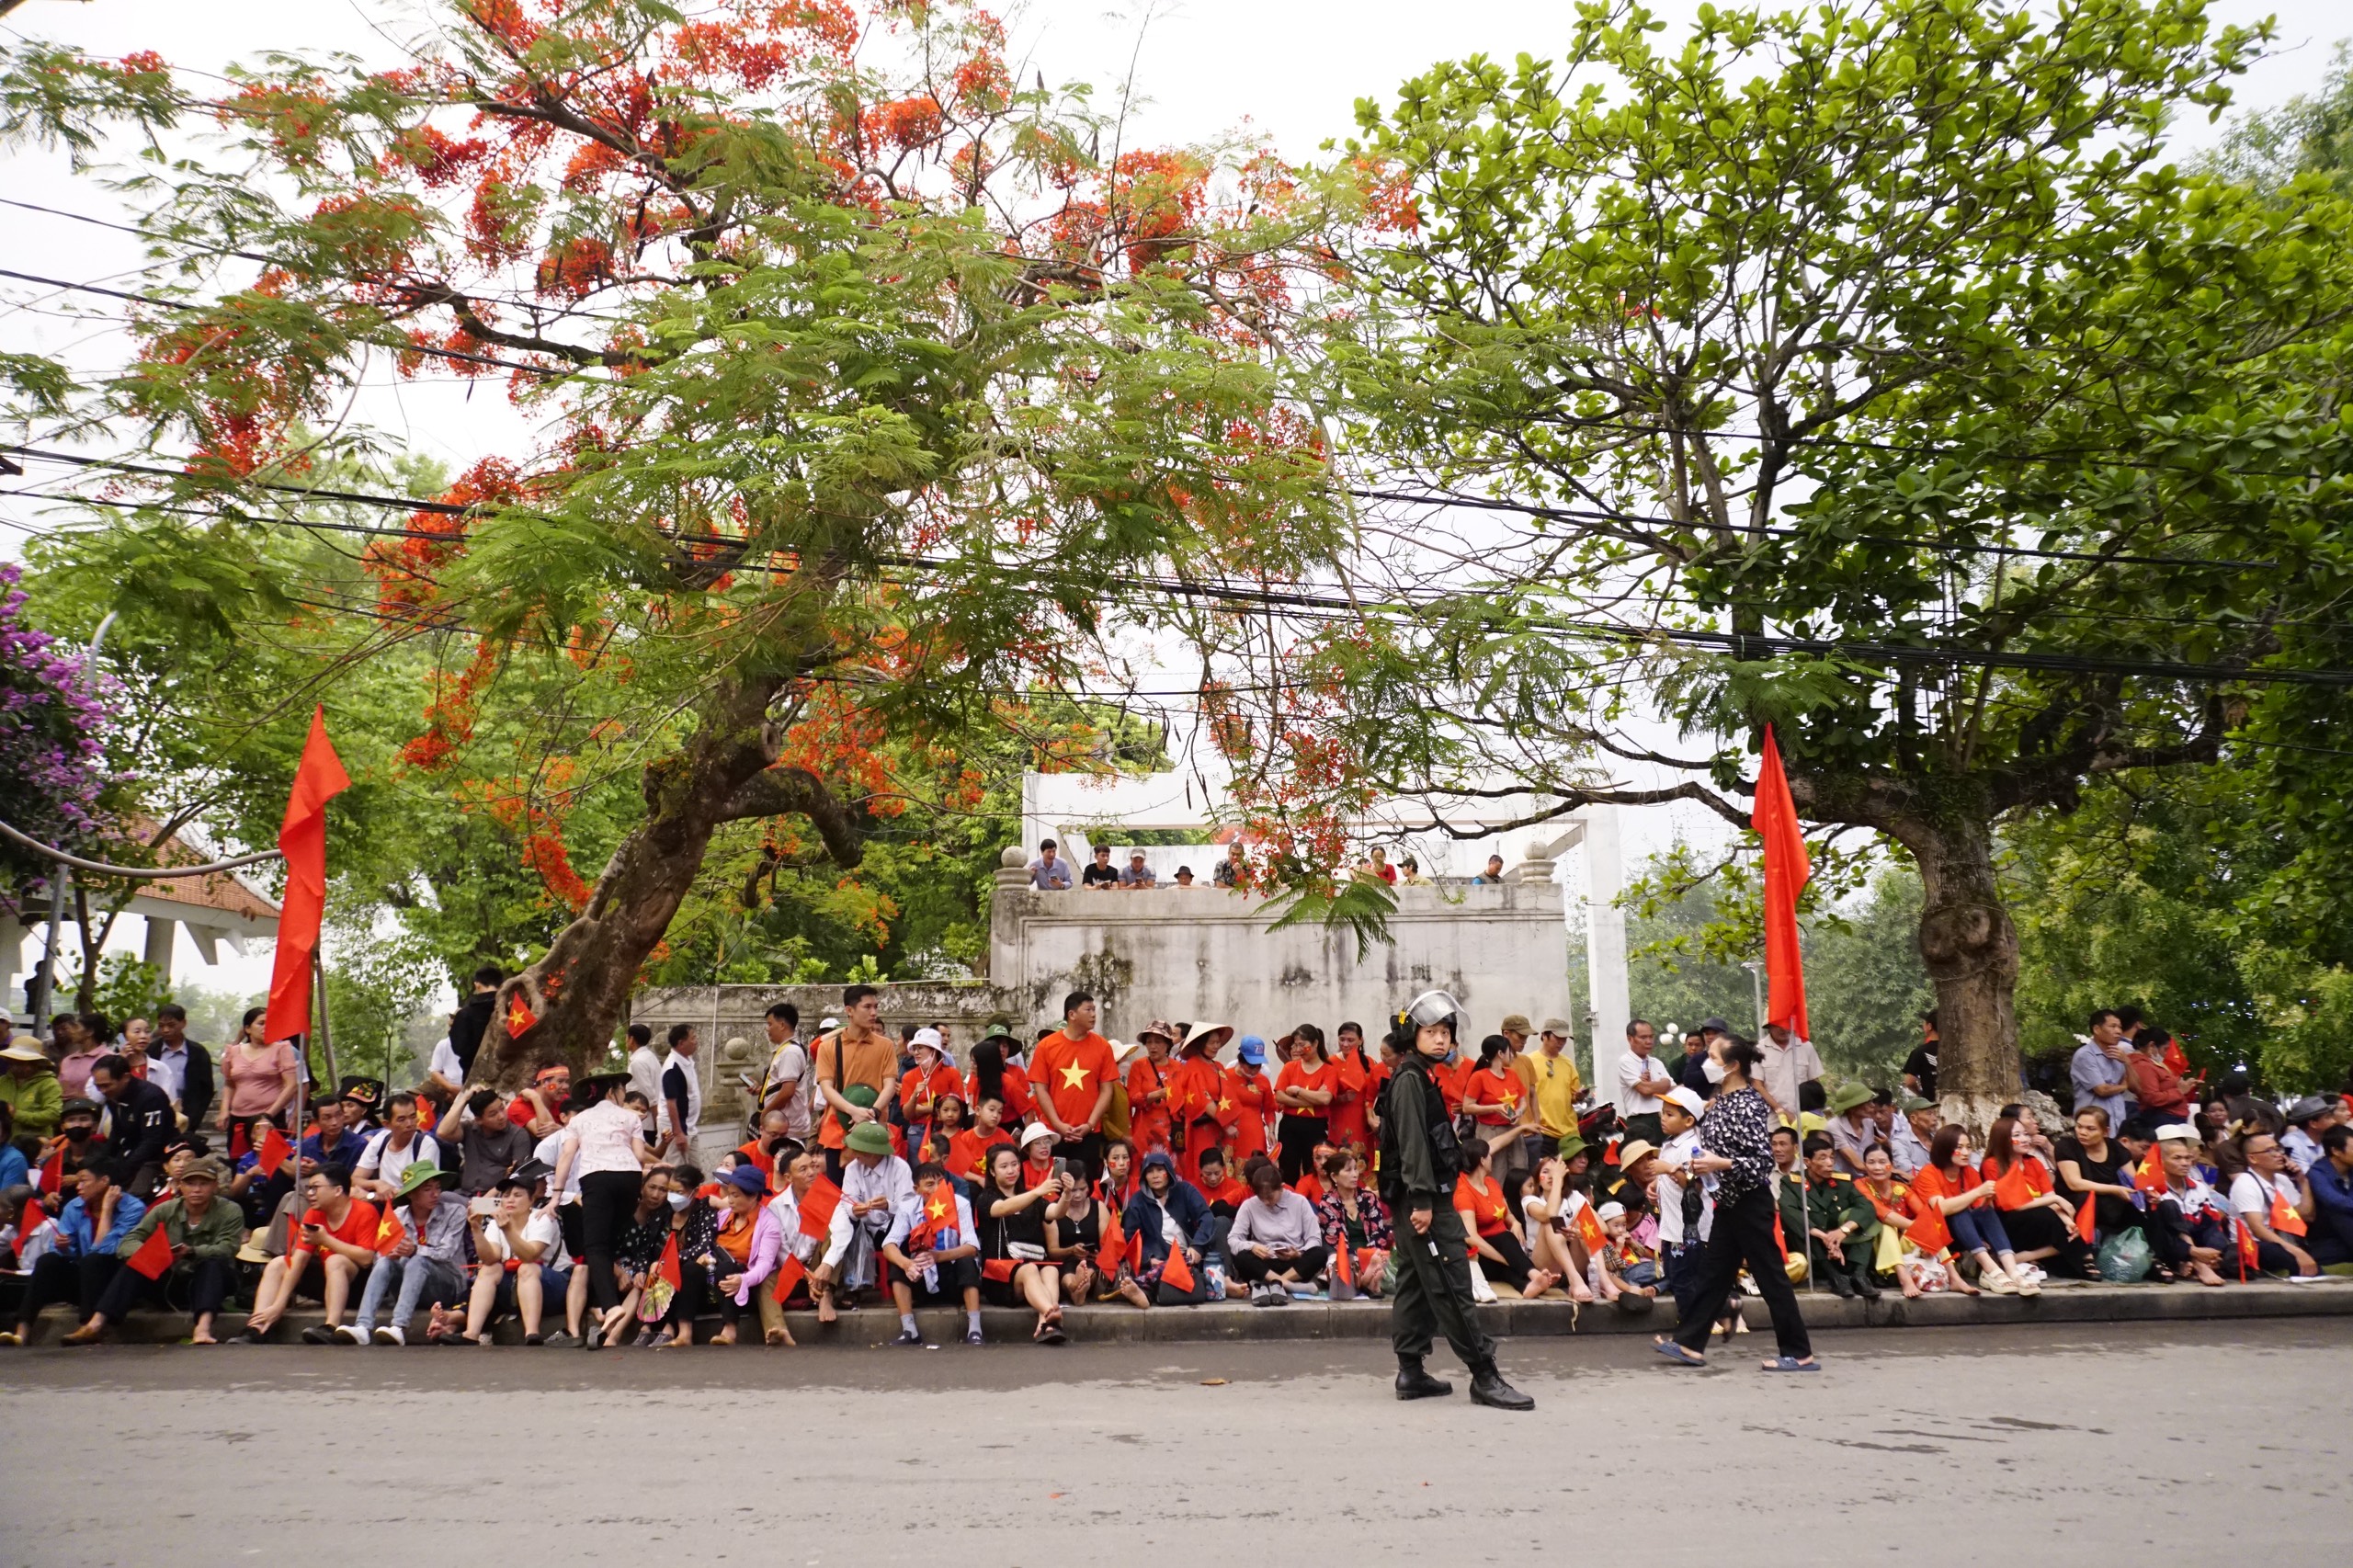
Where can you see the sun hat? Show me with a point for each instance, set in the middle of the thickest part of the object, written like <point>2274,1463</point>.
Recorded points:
<point>1253,1050</point>
<point>1633,1150</point>
<point>861,1094</point>
<point>1848,1097</point>
<point>1515,1023</point>
<point>23,1047</point>
<point>1907,1102</point>
<point>866,1138</point>
<point>205,1167</point>
<point>1571,1146</point>
<point>1209,1036</point>
<point>2311,1106</point>
<point>417,1174</point>
<point>748,1177</point>
<point>1155,1032</point>
<point>1555,1026</point>
<point>1034,1132</point>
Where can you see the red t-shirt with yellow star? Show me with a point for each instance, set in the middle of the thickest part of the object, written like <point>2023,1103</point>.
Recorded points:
<point>1495,1085</point>
<point>1487,1209</point>
<point>1072,1072</point>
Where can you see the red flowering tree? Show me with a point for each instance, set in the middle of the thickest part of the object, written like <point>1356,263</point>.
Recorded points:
<point>860,392</point>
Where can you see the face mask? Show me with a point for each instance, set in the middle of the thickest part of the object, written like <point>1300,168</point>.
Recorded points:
<point>679,1199</point>
<point>1713,1069</point>
<point>78,1134</point>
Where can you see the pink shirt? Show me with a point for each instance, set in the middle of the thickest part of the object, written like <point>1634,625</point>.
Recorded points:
<point>256,1082</point>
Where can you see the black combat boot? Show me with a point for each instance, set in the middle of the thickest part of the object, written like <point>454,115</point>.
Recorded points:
<point>1414,1382</point>
<point>1488,1387</point>
<point>1866,1287</point>
<point>1840,1286</point>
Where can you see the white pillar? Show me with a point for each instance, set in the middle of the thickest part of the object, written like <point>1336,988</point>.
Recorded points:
<point>162,935</point>
<point>1605,946</point>
<point>12,962</point>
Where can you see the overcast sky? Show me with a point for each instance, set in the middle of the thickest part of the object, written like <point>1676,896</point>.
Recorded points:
<point>1288,71</point>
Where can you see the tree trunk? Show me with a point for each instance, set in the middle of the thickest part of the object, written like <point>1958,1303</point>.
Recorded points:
<point>576,993</point>
<point>1971,949</point>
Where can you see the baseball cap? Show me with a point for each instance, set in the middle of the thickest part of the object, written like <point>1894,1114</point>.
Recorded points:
<point>1253,1050</point>
<point>1689,1099</point>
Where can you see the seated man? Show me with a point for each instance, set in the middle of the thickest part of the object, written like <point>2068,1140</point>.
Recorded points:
<point>2331,1180</point>
<point>875,1185</point>
<point>425,1265</point>
<point>489,1143</point>
<point>2188,1224</point>
<point>522,1266</point>
<point>384,1165</point>
<point>332,1248</point>
<point>203,1230</point>
<point>1842,1227</point>
<point>933,1251</point>
<point>83,1262</point>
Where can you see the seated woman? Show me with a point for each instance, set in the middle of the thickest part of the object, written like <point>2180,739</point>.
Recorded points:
<point>2188,1224</point>
<point>1075,1242</point>
<point>1896,1255</point>
<point>2038,1221</point>
<point>1495,1241</point>
<point>1118,1182</point>
<point>1354,1219</point>
<point>1176,1228</point>
<point>1011,1219</point>
<point>1950,1191</point>
<point>2091,1169</point>
<point>644,1230</point>
<point>1560,1226</point>
<point>1277,1241</point>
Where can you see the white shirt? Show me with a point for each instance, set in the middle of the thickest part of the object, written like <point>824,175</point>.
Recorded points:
<point>1571,1200</point>
<point>887,1177</point>
<point>686,1066</point>
<point>645,1077</point>
<point>609,1136</point>
<point>380,1148</point>
<point>445,1063</point>
<point>167,1078</point>
<point>1785,1068</point>
<point>1666,1189</point>
<point>791,1060</point>
<point>551,1153</point>
<point>787,1209</point>
<point>1632,1070</point>
<point>2251,1195</point>
<point>540,1227</point>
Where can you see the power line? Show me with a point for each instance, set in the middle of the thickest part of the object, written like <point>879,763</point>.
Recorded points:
<point>1742,645</point>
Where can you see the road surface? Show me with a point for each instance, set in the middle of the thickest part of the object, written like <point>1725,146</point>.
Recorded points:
<point>2132,1443</point>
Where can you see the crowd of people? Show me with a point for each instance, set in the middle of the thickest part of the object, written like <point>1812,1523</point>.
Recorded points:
<point>883,1170</point>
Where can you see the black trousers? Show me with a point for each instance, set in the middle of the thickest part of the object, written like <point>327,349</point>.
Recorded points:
<point>1744,1234</point>
<point>1434,1289</point>
<point>2032,1228</point>
<point>1249,1267</point>
<point>202,1284</point>
<point>1298,1136</point>
<point>56,1278</point>
<point>608,1199</point>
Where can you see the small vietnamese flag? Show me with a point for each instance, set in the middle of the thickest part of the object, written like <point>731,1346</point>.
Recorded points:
<point>52,1171</point>
<point>1108,1255</point>
<point>668,1268</point>
<point>789,1274</point>
<point>154,1255</point>
<point>1176,1273</point>
<point>388,1232</point>
<point>273,1152</point>
<point>817,1206</point>
<point>521,1019</point>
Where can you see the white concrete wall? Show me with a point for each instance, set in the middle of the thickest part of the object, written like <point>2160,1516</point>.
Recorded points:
<point>1204,953</point>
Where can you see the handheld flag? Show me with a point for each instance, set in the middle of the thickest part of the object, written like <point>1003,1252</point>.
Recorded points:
<point>303,839</point>
<point>1176,1274</point>
<point>817,1206</point>
<point>668,1268</point>
<point>789,1275</point>
<point>153,1256</point>
<point>272,1154</point>
<point>388,1232</point>
<point>52,1171</point>
<point>2016,1188</point>
<point>1112,1251</point>
<point>1786,870</point>
<point>2086,1227</point>
<point>938,1219</point>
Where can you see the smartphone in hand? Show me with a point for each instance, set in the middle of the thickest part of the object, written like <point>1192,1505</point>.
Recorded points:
<point>484,1205</point>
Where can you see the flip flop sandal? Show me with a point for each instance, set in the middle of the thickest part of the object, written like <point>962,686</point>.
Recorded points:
<point>1791,1364</point>
<point>1677,1354</point>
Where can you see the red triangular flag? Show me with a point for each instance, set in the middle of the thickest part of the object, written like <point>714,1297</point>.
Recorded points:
<point>2086,1226</point>
<point>154,1255</point>
<point>272,1152</point>
<point>1176,1273</point>
<point>668,1268</point>
<point>817,1206</point>
<point>303,839</point>
<point>1343,1269</point>
<point>52,1172</point>
<point>1114,1245</point>
<point>789,1274</point>
<point>1786,870</point>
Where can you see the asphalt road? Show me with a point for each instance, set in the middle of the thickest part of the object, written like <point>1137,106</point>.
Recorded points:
<point>2134,1443</point>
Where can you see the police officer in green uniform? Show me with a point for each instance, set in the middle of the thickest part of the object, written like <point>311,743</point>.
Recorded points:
<point>1420,1158</point>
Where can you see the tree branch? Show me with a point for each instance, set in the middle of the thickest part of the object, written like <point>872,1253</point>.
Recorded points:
<point>796,792</point>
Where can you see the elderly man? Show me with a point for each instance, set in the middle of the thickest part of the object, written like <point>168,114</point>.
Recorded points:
<point>1138,874</point>
<point>1854,1131</point>
<point>1641,1082</point>
<point>1915,1129</point>
<point>1049,872</point>
<point>203,1230</point>
<point>876,1184</point>
<point>1790,1065</point>
<point>426,1266</point>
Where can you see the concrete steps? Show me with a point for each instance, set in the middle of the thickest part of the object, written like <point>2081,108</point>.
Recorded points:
<point>2058,1304</point>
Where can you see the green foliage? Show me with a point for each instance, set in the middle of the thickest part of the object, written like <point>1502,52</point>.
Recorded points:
<point>2304,135</point>
<point>129,988</point>
<point>377,981</point>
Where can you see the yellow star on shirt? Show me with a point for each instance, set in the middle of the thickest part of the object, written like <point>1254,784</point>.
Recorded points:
<point>1074,1077</point>
<point>1225,1105</point>
<point>1511,1099</point>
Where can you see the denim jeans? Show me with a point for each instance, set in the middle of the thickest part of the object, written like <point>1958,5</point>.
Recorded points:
<point>410,1282</point>
<point>1980,1230</point>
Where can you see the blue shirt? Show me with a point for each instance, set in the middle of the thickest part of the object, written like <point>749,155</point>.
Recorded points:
<point>345,1150</point>
<point>2091,1066</point>
<point>2333,1193</point>
<point>15,1169</point>
<point>74,1238</point>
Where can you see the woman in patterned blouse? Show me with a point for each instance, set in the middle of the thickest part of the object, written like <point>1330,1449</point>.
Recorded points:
<point>1736,1145</point>
<point>1353,1214</point>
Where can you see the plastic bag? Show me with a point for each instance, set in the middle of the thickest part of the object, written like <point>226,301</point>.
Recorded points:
<point>2125,1258</point>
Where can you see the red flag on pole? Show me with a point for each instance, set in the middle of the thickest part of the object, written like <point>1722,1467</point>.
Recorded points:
<point>789,1275</point>
<point>272,1152</point>
<point>52,1171</point>
<point>302,837</point>
<point>1786,869</point>
<point>153,1256</point>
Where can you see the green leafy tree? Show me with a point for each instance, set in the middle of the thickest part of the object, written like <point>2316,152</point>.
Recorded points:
<point>2305,135</point>
<point>1865,371</point>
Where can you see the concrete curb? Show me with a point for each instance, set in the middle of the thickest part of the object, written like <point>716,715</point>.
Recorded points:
<point>1511,1319</point>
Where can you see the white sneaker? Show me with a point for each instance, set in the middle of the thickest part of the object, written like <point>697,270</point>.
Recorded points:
<point>2032,1274</point>
<point>346,1334</point>
<point>388,1335</point>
